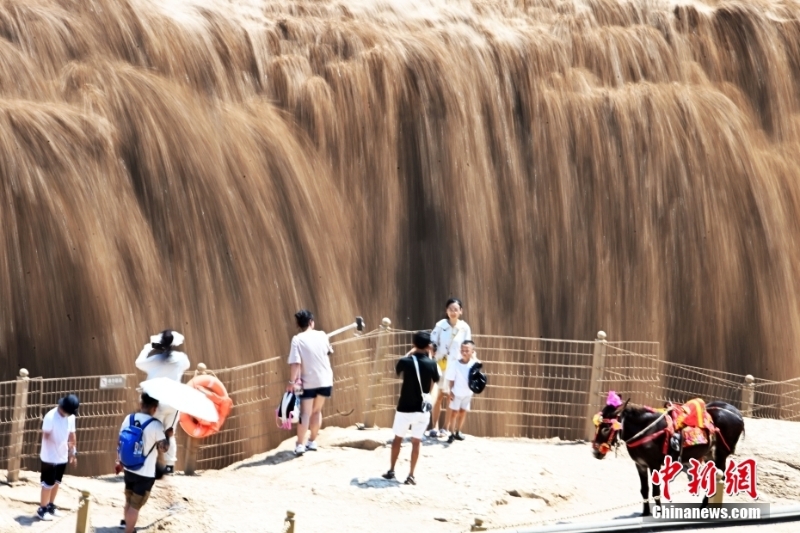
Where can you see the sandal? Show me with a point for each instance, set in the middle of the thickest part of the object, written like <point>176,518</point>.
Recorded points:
<point>388,475</point>
<point>410,481</point>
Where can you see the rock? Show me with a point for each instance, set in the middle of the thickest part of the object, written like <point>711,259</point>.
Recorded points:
<point>529,494</point>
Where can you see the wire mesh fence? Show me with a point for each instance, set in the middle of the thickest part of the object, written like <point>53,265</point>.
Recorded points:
<point>101,414</point>
<point>631,369</point>
<point>537,388</point>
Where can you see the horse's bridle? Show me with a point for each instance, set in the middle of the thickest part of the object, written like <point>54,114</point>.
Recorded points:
<point>616,426</point>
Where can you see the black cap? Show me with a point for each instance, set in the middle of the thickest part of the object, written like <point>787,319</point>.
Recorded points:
<point>69,404</point>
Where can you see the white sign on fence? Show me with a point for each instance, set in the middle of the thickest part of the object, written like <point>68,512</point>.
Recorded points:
<point>112,382</point>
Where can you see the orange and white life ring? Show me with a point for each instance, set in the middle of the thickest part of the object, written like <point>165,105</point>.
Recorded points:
<point>216,392</point>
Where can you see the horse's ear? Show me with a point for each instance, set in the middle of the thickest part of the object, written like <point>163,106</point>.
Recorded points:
<point>618,411</point>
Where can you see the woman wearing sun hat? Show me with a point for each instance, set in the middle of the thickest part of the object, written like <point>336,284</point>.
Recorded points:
<point>160,359</point>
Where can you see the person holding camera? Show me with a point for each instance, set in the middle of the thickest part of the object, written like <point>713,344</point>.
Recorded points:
<point>160,359</point>
<point>414,406</point>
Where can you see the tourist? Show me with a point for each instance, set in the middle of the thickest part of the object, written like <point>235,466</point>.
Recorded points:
<point>140,434</point>
<point>159,359</point>
<point>420,373</point>
<point>311,378</point>
<point>59,447</point>
<point>460,394</point>
<point>447,336</point>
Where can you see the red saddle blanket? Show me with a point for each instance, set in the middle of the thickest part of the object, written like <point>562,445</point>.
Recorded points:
<point>693,421</point>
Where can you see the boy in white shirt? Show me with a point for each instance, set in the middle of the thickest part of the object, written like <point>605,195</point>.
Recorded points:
<point>139,482</point>
<point>59,447</point>
<point>457,377</point>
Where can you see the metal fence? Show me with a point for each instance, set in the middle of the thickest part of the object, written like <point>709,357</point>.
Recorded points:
<point>538,388</point>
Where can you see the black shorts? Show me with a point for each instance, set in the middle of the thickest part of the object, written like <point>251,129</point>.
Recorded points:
<point>137,484</point>
<point>52,474</point>
<point>313,393</point>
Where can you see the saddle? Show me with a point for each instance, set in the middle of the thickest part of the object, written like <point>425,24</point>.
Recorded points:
<point>689,424</point>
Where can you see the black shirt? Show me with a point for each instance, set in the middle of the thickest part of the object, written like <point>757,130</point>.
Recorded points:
<point>410,396</point>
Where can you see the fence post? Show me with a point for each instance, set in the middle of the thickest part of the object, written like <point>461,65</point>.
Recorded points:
<point>383,343</point>
<point>598,368</point>
<point>477,526</point>
<point>748,395</point>
<point>82,525</point>
<point>288,523</point>
<point>18,426</point>
<point>720,481</point>
<point>192,444</point>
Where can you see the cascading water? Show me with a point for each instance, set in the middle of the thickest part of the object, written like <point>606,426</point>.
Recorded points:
<point>563,167</point>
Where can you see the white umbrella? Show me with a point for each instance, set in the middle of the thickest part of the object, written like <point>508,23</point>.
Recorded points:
<point>181,397</point>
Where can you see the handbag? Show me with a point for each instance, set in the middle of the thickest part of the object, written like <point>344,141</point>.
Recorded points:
<point>427,401</point>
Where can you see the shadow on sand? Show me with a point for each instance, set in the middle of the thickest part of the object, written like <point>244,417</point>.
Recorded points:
<point>271,459</point>
<point>375,483</point>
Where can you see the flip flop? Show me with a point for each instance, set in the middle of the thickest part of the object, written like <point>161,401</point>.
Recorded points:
<point>410,481</point>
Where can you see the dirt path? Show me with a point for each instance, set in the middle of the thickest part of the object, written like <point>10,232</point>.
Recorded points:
<point>506,482</point>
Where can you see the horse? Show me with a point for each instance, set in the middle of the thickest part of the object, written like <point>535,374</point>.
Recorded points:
<point>644,432</point>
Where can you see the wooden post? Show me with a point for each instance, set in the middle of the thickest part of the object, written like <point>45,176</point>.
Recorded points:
<point>288,523</point>
<point>380,351</point>
<point>477,526</point>
<point>717,498</point>
<point>598,368</point>
<point>192,444</point>
<point>748,395</point>
<point>18,426</point>
<point>82,524</point>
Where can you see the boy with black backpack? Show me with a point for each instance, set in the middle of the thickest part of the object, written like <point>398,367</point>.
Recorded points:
<point>463,377</point>
<point>141,436</point>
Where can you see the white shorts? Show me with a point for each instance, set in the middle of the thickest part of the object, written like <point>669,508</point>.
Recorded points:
<point>460,403</point>
<point>416,421</point>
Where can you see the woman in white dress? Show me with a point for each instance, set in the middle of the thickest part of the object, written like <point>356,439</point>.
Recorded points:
<point>447,336</point>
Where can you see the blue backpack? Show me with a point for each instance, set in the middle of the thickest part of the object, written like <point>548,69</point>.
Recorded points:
<point>131,444</point>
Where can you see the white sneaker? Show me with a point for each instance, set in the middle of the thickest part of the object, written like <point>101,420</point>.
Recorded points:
<point>311,446</point>
<point>299,449</point>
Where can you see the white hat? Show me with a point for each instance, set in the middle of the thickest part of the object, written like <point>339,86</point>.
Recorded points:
<point>177,338</point>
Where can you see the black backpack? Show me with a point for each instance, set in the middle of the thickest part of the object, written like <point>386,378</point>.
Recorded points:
<point>477,379</point>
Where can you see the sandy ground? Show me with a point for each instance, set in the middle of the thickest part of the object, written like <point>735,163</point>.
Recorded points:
<point>509,483</point>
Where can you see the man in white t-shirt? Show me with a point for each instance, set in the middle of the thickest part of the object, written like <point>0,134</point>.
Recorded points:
<point>457,377</point>
<point>59,447</point>
<point>160,359</point>
<point>310,371</point>
<point>139,483</point>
